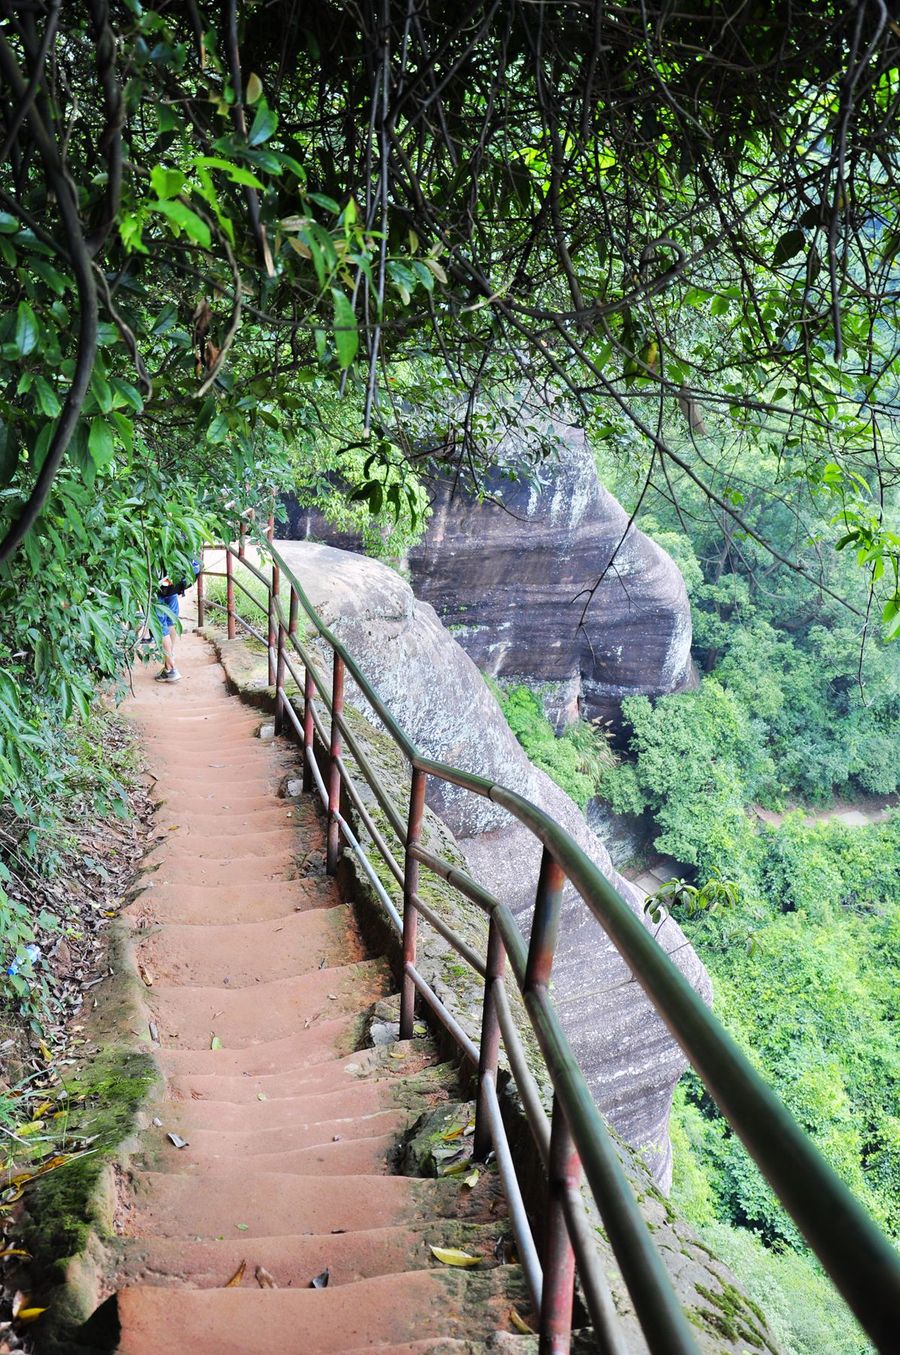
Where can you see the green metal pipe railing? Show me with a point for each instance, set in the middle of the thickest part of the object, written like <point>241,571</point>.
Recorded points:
<point>861,1262</point>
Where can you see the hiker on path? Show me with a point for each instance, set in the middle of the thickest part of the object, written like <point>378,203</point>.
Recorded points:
<point>167,614</point>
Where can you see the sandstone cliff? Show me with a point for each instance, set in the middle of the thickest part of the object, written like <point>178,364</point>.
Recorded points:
<point>505,573</point>
<point>438,694</point>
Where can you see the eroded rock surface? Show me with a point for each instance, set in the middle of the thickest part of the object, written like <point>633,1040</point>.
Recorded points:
<point>508,575</point>
<point>438,695</point>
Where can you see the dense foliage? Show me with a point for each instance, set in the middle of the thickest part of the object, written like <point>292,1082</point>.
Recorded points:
<point>245,247</point>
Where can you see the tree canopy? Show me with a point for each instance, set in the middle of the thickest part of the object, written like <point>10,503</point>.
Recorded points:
<point>245,244</point>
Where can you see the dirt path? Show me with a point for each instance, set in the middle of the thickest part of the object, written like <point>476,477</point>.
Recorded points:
<point>259,999</point>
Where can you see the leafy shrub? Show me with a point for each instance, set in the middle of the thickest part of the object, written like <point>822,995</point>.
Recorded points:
<point>578,760</point>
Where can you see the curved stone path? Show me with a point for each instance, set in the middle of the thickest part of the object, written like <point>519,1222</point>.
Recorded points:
<point>259,996</point>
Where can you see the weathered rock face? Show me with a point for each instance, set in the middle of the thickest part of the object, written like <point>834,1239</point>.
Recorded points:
<point>437,694</point>
<point>512,572</point>
<point>509,574</point>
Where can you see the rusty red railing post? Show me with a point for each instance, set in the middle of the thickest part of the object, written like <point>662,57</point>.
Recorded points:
<point>309,729</point>
<point>410,889</point>
<point>490,1041</point>
<point>280,696</point>
<point>201,594</point>
<point>274,587</point>
<point>563,1175</point>
<point>559,1259</point>
<point>229,591</point>
<point>334,773</point>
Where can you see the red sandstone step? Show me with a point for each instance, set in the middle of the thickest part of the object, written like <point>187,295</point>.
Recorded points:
<point>214,1201</point>
<point>245,873</point>
<point>368,1065</point>
<point>334,1156</point>
<point>383,1311</point>
<point>210,1112</point>
<point>213,905</point>
<point>188,1018</point>
<point>295,1259</point>
<point>211,803</point>
<point>191,824</point>
<point>247,952</point>
<point>243,1144</point>
<point>285,841</point>
<point>325,1040</point>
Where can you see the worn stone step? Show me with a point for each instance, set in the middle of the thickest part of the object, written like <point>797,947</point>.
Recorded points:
<point>241,953</point>
<point>294,1259</point>
<point>214,905</point>
<point>216,1201</point>
<point>282,843</point>
<point>334,1156</point>
<point>217,875</point>
<point>326,1040</point>
<point>229,820</point>
<point>364,1098</point>
<point>188,1018</point>
<point>383,1311</point>
<point>243,1144</point>
<point>398,1060</point>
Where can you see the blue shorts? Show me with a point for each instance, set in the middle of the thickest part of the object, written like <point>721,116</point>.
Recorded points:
<point>166,613</point>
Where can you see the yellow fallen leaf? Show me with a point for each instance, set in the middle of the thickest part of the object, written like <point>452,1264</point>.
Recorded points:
<point>452,1256</point>
<point>215,1043</point>
<point>471,1180</point>
<point>15,1251</point>
<point>146,976</point>
<point>32,1128</point>
<point>237,1276</point>
<point>455,1133</point>
<point>45,1051</point>
<point>41,1110</point>
<point>520,1324</point>
<point>26,1315</point>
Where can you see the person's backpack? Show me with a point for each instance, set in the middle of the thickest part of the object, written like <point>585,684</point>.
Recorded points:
<point>170,588</point>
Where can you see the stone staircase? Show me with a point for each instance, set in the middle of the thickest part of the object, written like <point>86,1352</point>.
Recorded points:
<point>281,1224</point>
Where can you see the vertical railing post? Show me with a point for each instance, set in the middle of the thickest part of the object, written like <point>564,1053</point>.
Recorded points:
<point>309,729</point>
<point>280,697</point>
<point>563,1175</point>
<point>274,586</point>
<point>334,774</point>
<point>410,890</point>
<point>490,1040</point>
<point>563,1166</point>
<point>201,594</point>
<point>242,540</point>
<point>545,923</point>
<point>229,591</point>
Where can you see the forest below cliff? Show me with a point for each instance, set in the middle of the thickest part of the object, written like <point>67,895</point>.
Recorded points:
<point>796,710</point>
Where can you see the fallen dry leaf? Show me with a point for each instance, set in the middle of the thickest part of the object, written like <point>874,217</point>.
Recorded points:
<point>264,1279</point>
<point>176,1140</point>
<point>452,1256</point>
<point>238,1276</point>
<point>520,1324</point>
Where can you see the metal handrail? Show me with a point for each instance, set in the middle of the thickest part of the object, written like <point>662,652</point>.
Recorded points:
<point>861,1262</point>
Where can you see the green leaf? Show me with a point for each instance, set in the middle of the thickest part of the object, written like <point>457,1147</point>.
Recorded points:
<point>236,173</point>
<point>27,329</point>
<point>264,124</point>
<point>254,89</point>
<point>346,337</point>
<point>102,393</point>
<point>48,400</point>
<point>101,443</point>
<point>167,183</point>
<point>187,220</point>
<point>788,246</point>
